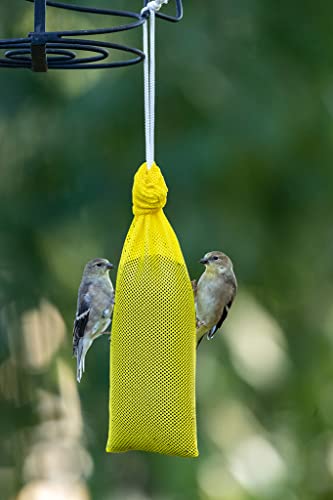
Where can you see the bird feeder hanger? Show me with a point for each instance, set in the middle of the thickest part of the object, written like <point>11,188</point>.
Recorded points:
<point>43,50</point>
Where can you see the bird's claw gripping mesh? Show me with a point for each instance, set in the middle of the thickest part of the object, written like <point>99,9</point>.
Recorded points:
<point>152,366</point>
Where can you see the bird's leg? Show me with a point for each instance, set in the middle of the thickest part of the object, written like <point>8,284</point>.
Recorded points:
<point>107,329</point>
<point>106,313</point>
<point>107,332</point>
<point>200,323</point>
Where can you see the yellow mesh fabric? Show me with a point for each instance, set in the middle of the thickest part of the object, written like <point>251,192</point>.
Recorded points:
<point>152,365</point>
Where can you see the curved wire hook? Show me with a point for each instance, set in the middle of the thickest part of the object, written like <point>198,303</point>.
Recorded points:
<point>167,17</point>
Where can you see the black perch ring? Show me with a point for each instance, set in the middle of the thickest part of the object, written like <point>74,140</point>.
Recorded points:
<point>43,50</point>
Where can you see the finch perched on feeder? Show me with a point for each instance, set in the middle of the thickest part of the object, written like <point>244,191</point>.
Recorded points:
<point>94,309</point>
<point>214,294</point>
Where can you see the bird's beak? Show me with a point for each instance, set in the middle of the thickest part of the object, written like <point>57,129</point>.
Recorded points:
<point>203,261</point>
<point>110,266</point>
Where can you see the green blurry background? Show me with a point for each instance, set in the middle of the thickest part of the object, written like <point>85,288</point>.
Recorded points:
<point>245,141</point>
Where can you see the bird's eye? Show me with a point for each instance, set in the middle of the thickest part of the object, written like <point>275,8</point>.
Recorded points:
<point>99,264</point>
<point>215,257</point>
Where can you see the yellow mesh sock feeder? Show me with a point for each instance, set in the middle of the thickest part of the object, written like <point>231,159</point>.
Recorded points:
<point>152,359</point>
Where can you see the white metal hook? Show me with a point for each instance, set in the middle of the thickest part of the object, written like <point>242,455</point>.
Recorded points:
<point>154,5</point>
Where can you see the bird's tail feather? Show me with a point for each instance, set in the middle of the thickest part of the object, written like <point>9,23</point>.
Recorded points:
<point>81,352</point>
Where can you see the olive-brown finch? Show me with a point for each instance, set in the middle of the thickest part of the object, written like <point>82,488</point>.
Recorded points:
<point>94,309</point>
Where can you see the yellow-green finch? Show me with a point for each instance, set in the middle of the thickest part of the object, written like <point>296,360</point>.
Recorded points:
<point>214,294</point>
<point>94,309</point>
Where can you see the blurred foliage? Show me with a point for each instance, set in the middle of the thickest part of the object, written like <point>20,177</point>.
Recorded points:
<point>245,141</point>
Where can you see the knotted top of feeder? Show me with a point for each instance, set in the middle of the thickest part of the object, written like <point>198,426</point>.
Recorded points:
<point>149,190</point>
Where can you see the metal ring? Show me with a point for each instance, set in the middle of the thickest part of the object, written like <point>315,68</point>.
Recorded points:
<point>13,57</point>
<point>43,50</point>
<point>16,54</point>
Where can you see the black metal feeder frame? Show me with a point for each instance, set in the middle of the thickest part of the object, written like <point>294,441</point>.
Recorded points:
<point>43,50</point>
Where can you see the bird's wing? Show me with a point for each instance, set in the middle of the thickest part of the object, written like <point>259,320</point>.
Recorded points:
<point>199,341</point>
<point>218,325</point>
<point>194,284</point>
<point>82,316</point>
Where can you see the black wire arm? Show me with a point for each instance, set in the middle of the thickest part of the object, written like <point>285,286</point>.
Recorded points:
<point>43,50</point>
